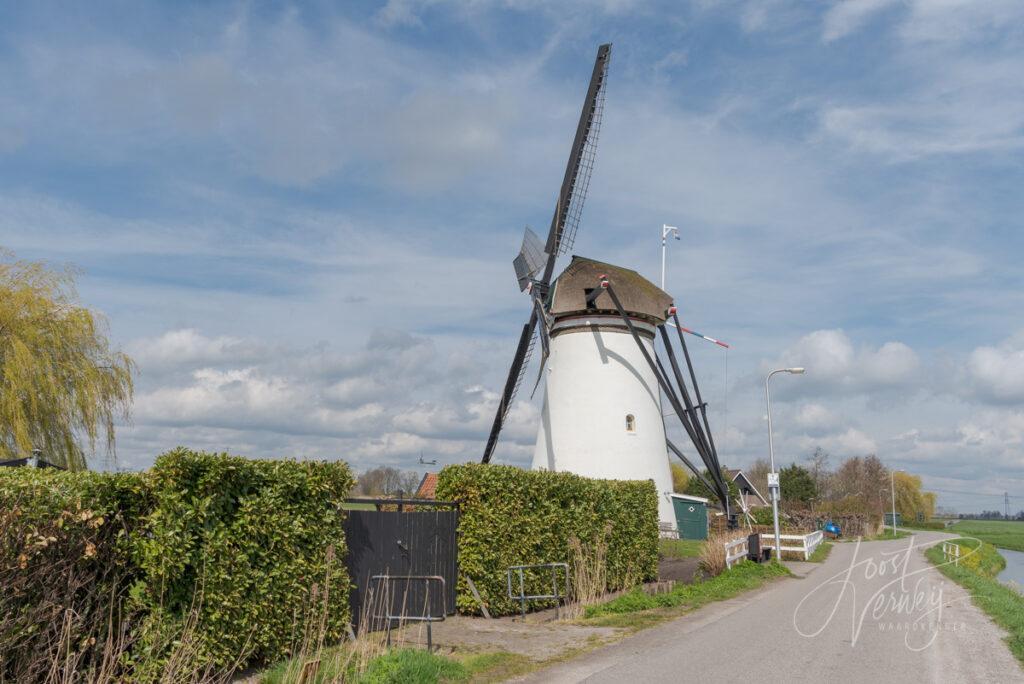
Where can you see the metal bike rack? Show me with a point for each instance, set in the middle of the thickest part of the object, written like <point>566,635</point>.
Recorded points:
<point>385,581</point>
<point>523,597</point>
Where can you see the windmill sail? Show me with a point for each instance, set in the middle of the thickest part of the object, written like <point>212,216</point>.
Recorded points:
<point>564,225</point>
<point>576,180</point>
<point>531,259</point>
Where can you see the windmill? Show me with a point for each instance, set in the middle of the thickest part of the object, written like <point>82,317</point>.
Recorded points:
<point>598,325</point>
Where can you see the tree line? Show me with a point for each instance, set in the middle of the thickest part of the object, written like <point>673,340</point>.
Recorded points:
<point>859,484</point>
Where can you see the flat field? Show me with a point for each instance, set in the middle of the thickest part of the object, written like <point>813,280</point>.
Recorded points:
<point>1005,534</point>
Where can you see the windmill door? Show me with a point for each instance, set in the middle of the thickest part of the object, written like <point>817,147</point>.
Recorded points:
<point>402,544</point>
<point>691,516</point>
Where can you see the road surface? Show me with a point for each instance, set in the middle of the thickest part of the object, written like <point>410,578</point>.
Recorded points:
<point>873,612</point>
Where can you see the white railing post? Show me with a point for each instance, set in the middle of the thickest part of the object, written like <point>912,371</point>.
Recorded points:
<point>731,557</point>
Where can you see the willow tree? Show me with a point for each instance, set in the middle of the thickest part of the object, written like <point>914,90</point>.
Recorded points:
<point>61,385</point>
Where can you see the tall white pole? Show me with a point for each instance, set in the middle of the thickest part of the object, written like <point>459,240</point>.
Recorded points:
<point>773,477</point>
<point>892,486</point>
<point>665,230</point>
<point>663,257</point>
<point>773,487</point>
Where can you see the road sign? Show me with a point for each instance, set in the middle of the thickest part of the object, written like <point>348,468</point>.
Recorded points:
<point>773,480</point>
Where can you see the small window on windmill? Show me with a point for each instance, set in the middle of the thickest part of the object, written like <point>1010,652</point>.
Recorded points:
<point>630,423</point>
<point>591,303</point>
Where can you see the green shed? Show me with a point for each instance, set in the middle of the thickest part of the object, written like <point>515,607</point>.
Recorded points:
<point>691,516</point>
<point>888,519</point>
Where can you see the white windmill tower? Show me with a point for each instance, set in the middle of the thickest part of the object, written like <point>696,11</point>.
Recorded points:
<point>598,325</point>
<point>602,406</point>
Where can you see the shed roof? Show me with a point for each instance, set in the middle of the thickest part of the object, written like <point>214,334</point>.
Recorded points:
<point>688,497</point>
<point>637,294</point>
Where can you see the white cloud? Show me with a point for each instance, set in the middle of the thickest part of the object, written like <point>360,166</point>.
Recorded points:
<point>942,95</point>
<point>815,418</point>
<point>835,366</point>
<point>847,16</point>
<point>851,442</point>
<point>996,374</point>
<point>398,396</point>
<point>187,346</point>
<point>957,21</point>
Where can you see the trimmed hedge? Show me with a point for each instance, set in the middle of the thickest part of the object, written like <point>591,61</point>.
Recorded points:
<point>261,541</point>
<point>511,516</point>
<point>205,562</point>
<point>65,559</point>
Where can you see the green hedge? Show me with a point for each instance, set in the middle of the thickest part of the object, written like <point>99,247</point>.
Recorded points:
<point>511,516</point>
<point>206,561</point>
<point>65,559</point>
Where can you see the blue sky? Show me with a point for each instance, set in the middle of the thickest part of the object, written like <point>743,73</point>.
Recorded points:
<point>300,219</point>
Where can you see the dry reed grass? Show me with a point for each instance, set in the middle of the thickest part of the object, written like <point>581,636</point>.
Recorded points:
<point>712,551</point>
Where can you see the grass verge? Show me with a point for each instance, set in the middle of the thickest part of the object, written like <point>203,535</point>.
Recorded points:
<point>1005,534</point>
<point>1001,603</point>
<point>407,665</point>
<point>637,609</point>
<point>821,553</point>
<point>679,548</point>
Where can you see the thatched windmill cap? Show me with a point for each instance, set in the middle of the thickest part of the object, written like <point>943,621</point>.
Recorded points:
<point>640,297</point>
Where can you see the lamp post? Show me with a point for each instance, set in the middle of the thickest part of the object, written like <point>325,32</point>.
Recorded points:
<point>773,477</point>
<point>892,487</point>
<point>665,230</point>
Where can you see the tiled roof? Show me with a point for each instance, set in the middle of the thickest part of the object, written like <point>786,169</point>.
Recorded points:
<point>428,485</point>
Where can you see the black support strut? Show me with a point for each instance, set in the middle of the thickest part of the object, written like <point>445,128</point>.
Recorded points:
<point>691,428</point>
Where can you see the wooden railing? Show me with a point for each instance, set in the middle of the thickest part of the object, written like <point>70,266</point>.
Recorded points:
<point>807,542</point>
<point>735,551</point>
<point>951,552</point>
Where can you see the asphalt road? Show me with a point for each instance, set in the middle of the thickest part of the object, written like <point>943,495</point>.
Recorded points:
<point>874,612</point>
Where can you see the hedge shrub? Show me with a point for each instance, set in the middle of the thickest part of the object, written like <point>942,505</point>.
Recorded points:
<point>205,561</point>
<point>65,560</point>
<point>511,516</point>
<point>261,541</point>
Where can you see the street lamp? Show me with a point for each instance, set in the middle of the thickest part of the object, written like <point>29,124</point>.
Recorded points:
<point>773,477</point>
<point>892,486</point>
<point>665,230</point>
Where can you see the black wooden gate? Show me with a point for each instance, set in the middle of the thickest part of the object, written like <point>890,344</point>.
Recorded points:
<point>400,543</point>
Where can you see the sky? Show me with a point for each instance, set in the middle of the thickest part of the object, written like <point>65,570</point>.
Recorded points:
<point>299,219</point>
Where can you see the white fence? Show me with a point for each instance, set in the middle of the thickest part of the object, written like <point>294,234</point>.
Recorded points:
<point>735,551</point>
<point>951,552</point>
<point>806,543</point>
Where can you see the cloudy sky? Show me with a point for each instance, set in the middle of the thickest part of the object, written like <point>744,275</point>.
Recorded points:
<point>300,221</point>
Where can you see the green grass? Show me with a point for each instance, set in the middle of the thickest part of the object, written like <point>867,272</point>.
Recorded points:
<point>398,666</point>
<point>821,553</point>
<point>413,666</point>
<point>498,666</point>
<point>1004,605</point>
<point>740,579</point>
<point>1005,534</point>
<point>679,548</point>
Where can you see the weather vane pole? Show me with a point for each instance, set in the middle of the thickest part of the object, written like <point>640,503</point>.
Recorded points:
<point>665,230</point>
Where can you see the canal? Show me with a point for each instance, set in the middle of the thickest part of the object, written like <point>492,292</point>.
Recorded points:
<point>1014,571</point>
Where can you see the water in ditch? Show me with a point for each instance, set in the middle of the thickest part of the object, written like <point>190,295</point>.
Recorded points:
<point>1014,572</point>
